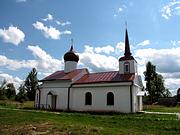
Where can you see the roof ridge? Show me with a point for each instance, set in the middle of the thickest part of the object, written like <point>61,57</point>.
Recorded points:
<point>104,72</point>
<point>72,70</point>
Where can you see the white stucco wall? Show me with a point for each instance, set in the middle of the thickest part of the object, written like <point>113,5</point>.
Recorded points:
<point>133,66</point>
<point>60,89</point>
<point>69,66</point>
<point>37,98</point>
<point>137,100</point>
<point>121,91</point>
<point>99,98</point>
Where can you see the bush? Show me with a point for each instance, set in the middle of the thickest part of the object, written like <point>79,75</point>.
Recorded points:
<point>170,101</point>
<point>146,100</point>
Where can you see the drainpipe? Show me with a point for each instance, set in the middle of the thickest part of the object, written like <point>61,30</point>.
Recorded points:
<point>69,88</point>
<point>35,99</point>
<point>46,100</point>
<point>39,99</point>
<point>131,98</point>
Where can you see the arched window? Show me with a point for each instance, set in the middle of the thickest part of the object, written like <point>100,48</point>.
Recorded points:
<point>88,98</point>
<point>110,98</point>
<point>126,67</point>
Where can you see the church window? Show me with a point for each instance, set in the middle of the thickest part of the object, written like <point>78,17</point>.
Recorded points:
<point>110,98</point>
<point>88,98</point>
<point>126,67</point>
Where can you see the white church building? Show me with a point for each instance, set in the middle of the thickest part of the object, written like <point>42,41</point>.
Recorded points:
<point>75,89</point>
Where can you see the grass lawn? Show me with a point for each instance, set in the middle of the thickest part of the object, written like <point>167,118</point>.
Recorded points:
<point>14,104</point>
<point>24,122</point>
<point>158,108</point>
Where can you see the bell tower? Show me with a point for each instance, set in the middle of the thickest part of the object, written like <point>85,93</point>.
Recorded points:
<point>127,63</point>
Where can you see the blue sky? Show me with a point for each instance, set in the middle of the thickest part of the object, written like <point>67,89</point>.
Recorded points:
<point>37,33</point>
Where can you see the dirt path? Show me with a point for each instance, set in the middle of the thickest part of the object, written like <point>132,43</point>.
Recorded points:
<point>177,114</point>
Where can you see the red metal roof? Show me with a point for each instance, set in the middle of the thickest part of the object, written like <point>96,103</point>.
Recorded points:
<point>60,75</point>
<point>104,77</point>
<point>126,58</point>
<point>101,77</point>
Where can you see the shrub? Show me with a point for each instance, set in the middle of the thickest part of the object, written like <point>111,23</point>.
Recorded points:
<point>170,101</point>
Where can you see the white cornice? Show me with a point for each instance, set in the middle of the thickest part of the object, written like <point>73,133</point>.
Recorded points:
<point>102,84</point>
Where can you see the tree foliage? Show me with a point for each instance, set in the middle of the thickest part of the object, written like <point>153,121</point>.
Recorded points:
<point>10,91</point>
<point>7,91</point>
<point>22,95</point>
<point>154,84</point>
<point>31,84</point>
<point>2,90</point>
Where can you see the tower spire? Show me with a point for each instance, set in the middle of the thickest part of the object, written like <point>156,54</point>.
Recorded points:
<point>71,44</point>
<point>127,47</point>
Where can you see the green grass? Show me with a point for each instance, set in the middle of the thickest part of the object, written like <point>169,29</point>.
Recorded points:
<point>14,104</point>
<point>20,121</point>
<point>158,108</point>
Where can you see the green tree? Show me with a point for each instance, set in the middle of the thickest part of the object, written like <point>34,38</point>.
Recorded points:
<point>167,93</point>
<point>161,91</point>
<point>31,84</point>
<point>22,95</point>
<point>10,91</point>
<point>150,74</point>
<point>155,84</point>
<point>2,90</point>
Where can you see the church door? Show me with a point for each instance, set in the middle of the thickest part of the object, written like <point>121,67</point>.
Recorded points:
<point>53,102</point>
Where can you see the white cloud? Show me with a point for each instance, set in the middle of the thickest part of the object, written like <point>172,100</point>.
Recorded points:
<point>58,22</point>
<point>44,61</point>
<point>120,47</point>
<point>11,79</point>
<point>66,32</point>
<point>115,15</point>
<point>16,64</point>
<point>50,32</point>
<point>119,10</point>
<point>12,35</point>
<point>105,49</point>
<point>48,18</point>
<point>144,43</point>
<point>174,75</point>
<point>97,62</point>
<point>161,57</point>
<point>21,1</point>
<point>174,42</point>
<point>172,8</point>
<point>63,23</point>
<point>172,84</point>
<point>167,63</point>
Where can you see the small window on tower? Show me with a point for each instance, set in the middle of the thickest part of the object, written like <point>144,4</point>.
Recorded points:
<point>126,67</point>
